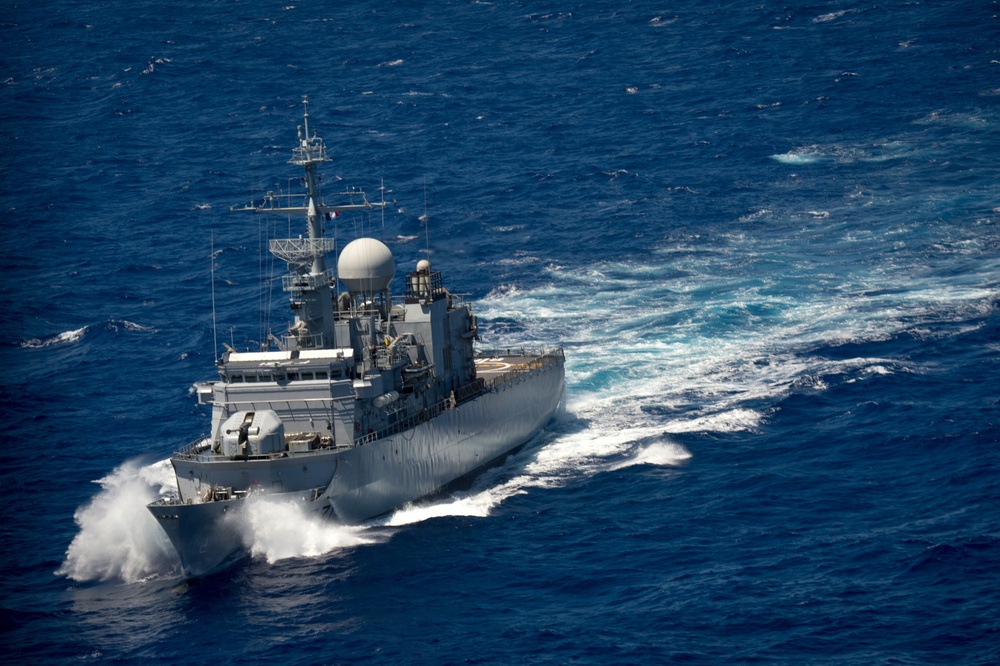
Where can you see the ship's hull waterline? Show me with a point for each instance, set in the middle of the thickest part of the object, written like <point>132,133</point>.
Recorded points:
<point>369,480</point>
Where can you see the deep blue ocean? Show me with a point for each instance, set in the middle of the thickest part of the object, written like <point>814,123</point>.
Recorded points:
<point>766,234</point>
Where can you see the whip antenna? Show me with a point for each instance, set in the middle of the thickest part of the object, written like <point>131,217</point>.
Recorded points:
<point>424,218</point>
<point>215,327</point>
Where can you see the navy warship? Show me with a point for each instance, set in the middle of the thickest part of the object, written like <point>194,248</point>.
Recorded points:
<point>364,404</point>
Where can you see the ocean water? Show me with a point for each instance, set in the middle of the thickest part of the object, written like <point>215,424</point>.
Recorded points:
<point>766,234</point>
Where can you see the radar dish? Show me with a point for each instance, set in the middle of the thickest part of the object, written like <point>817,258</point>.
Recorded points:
<point>366,266</point>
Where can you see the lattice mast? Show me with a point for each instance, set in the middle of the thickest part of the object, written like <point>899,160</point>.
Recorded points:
<point>309,281</point>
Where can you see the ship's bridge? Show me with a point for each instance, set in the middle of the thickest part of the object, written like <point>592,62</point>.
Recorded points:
<point>305,364</point>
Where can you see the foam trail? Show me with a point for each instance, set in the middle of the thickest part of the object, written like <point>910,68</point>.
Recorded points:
<point>277,529</point>
<point>119,539</point>
<point>563,460</point>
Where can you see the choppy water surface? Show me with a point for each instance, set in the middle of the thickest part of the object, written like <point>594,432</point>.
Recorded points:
<point>766,236</point>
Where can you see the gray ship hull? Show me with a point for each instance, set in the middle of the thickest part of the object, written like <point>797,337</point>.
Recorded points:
<point>363,482</point>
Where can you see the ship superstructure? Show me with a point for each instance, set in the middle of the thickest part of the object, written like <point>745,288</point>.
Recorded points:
<point>364,405</point>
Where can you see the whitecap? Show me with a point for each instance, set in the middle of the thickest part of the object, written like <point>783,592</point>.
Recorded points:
<point>798,157</point>
<point>659,454</point>
<point>132,326</point>
<point>65,338</point>
<point>659,21</point>
<point>502,291</point>
<point>516,261</point>
<point>757,214</point>
<point>833,16</point>
<point>734,420</point>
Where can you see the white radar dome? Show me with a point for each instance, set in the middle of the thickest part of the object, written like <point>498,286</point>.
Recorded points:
<point>366,265</point>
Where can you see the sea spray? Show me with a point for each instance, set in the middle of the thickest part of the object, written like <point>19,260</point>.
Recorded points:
<point>118,538</point>
<point>277,529</point>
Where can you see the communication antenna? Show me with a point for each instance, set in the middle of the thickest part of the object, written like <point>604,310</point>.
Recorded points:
<point>424,218</point>
<point>381,188</point>
<point>215,326</point>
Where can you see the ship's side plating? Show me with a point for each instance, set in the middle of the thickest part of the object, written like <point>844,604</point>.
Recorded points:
<point>377,477</point>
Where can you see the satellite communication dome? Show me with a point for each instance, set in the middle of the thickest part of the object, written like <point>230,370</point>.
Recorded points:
<point>366,266</point>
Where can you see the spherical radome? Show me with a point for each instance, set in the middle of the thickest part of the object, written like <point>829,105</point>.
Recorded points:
<point>366,265</point>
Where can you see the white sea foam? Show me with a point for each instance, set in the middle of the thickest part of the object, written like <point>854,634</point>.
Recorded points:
<point>74,336</point>
<point>118,538</point>
<point>660,454</point>
<point>478,505</point>
<point>878,152</point>
<point>706,345</point>
<point>277,529</point>
<point>68,337</point>
<point>798,157</point>
<point>734,420</point>
<point>517,261</point>
<point>130,326</point>
<point>833,16</point>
